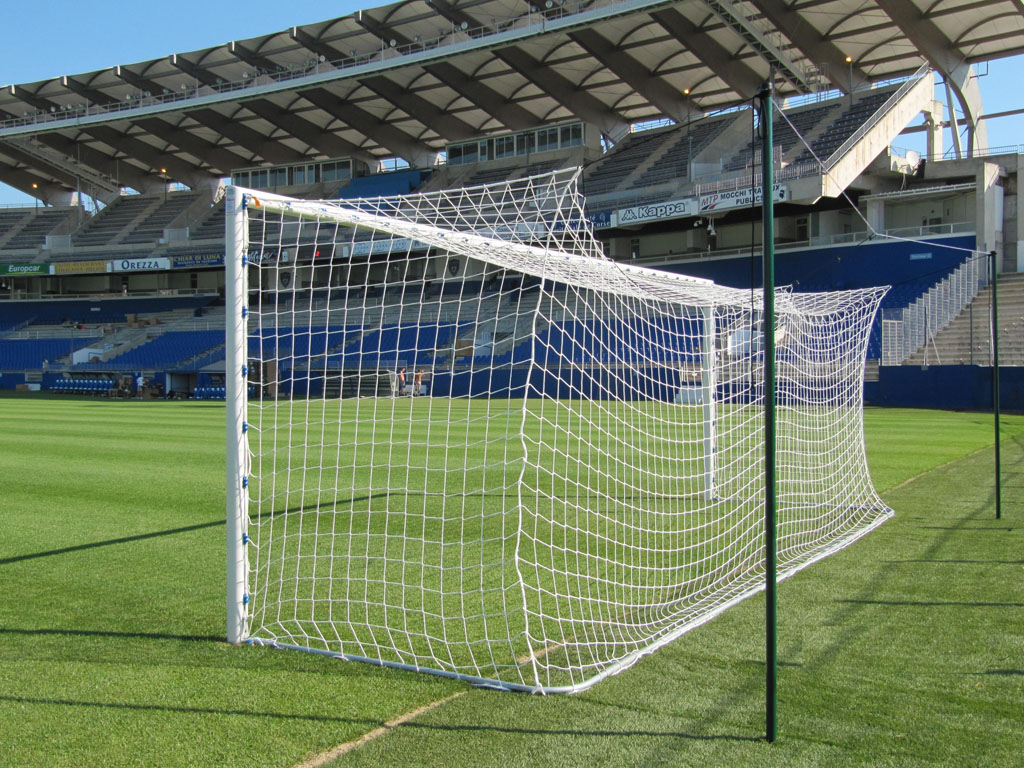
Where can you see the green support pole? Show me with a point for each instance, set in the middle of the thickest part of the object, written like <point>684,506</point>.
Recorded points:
<point>768,263</point>
<point>995,376</point>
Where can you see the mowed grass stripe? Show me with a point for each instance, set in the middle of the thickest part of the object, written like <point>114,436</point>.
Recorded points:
<point>106,654</point>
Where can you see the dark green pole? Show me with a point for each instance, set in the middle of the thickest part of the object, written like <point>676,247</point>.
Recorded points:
<point>768,263</point>
<point>995,376</point>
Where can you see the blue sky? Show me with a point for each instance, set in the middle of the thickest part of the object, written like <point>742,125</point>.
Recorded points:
<point>63,37</point>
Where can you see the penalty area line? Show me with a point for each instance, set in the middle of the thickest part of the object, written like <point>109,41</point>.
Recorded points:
<point>335,752</point>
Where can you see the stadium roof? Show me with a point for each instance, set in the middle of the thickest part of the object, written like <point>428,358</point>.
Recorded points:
<point>405,79</point>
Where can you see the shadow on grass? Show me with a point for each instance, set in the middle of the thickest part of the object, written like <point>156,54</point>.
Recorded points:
<point>106,633</point>
<point>960,562</point>
<point>191,710</point>
<point>158,534</point>
<point>934,603</point>
<point>111,542</point>
<point>369,723</point>
<point>576,732</point>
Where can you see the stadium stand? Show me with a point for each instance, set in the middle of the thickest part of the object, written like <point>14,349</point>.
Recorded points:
<point>106,227</point>
<point>35,227</point>
<point>22,354</point>
<point>151,228</point>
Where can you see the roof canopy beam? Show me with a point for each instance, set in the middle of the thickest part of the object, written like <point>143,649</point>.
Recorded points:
<point>246,137</point>
<point>397,142</point>
<point>723,62</point>
<point>662,95</point>
<point>323,141</point>
<point>945,57</point>
<point>842,73</point>
<point>255,60</point>
<point>733,18</point>
<point>582,104</point>
<point>446,125</point>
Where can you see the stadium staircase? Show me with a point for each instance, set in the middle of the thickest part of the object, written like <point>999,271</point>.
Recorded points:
<point>966,340</point>
<point>875,133</point>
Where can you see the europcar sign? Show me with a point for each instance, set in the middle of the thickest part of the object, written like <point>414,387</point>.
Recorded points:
<point>24,269</point>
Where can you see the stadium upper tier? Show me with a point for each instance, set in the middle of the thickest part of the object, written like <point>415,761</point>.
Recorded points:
<point>405,80</point>
<point>645,166</point>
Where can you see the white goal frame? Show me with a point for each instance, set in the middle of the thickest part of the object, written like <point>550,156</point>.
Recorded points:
<point>721,352</point>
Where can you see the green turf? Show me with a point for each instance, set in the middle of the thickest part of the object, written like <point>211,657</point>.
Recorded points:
<point>904,649</point>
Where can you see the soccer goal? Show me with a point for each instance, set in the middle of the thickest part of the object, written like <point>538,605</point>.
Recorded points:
<point>463,441</point>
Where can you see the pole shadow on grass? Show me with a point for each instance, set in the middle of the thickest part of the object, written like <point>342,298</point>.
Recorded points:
<point>575,732</point>
<point>51,631</point>
<point>365,722</point>
<point>339,506</point>
<point>157,534</point>
<point>362,722</point>
<point>849,607</point>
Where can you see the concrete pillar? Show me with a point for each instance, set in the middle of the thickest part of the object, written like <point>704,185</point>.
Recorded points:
<point>989,217</point>
<point>876,215</point>
<point>933,121</point>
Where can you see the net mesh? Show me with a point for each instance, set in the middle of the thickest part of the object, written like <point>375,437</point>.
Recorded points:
<point>478,447</point>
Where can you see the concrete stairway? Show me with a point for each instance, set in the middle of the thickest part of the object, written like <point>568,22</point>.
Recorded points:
<point>966,340</point>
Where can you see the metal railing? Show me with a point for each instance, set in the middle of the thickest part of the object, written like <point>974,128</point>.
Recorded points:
<point>907,330</point>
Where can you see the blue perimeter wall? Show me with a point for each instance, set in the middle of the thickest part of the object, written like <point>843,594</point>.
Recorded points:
<point>948,387</point>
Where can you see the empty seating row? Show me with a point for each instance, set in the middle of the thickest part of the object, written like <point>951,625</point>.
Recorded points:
<point>83,386</point>
<point>33,233</point>
<point>209,393</point>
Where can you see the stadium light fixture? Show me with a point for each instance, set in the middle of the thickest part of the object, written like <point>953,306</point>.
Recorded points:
<point>849,63</point>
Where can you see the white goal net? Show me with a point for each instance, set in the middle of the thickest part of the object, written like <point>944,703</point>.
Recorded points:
<point>461,440</point>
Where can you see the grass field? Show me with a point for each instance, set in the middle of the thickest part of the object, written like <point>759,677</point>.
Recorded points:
<point>904,649</point>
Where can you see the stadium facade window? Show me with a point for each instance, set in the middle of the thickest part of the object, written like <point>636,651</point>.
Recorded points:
<point>278,177</point>
<point>504,146</point>
<point>526,143</point>
<point>292,175</point>
<point>510,145</point>
<point>547,139</point>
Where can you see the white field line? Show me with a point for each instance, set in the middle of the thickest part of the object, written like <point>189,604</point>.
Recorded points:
<point>335,752</point>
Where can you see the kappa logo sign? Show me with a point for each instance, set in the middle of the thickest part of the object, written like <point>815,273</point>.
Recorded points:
<point>672,209</point>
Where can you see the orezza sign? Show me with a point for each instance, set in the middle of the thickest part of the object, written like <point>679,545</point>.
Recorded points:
<point>740,198</point>
<point>24,269</point>
<point>672,209</point>
<point>138,265</point>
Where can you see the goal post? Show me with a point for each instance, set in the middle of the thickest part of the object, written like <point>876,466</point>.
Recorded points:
<point>463,441</point>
